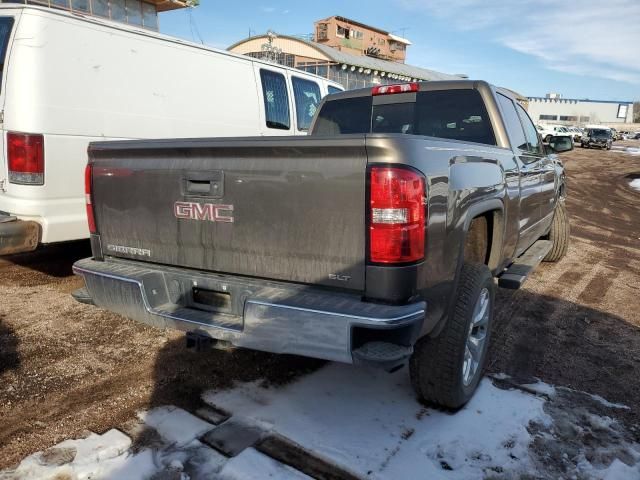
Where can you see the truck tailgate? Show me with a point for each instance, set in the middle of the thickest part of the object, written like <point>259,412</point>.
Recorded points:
<point>283,208</point>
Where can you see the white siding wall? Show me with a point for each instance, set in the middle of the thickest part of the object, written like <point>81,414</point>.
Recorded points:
<point>598,112</point>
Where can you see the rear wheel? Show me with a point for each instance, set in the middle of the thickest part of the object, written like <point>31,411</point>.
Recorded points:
<point>446,370</point>
<point>559,234</point>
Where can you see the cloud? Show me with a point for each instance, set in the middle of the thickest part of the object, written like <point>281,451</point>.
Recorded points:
<point>593,37</point>
<point>268,9</point>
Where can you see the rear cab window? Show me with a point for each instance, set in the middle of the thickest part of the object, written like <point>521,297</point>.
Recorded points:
<point>276,100</point>
<point>306,95</point>
<point>332,89</point>
<point>451,114</point>
<point>344,116</point>
<point>6,24</point>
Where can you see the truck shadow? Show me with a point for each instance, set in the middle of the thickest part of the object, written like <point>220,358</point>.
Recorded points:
<point>52,260</point>
<point>567,344</point>
<point>9,343</point>
<point>182,375</point>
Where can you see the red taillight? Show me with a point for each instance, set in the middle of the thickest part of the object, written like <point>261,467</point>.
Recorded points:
<point>88,178</point>
<point>397,215</point>
<point>25,153</point>
<point>400,88</point>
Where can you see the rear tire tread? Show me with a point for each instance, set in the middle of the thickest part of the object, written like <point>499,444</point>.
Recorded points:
<point>559,234</point>
<point>436,364</point>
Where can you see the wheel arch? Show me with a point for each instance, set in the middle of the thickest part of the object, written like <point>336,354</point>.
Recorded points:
<point>493,212</point>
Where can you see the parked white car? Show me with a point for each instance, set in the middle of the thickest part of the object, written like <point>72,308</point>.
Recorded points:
<point>70,79</point>
<point>548,131</point>
<point>576,132</point>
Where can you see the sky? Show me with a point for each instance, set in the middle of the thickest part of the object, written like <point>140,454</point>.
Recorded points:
<point>590,50</point>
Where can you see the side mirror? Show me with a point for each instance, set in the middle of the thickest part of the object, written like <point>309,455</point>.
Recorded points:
<point>560,144</point>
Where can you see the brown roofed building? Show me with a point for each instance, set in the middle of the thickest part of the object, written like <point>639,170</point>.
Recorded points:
<point>359,39</point>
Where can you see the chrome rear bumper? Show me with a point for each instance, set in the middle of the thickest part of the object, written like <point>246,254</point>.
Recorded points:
<point>256,314</point>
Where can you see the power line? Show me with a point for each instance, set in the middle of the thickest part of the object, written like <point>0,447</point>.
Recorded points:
<point>194,28</point>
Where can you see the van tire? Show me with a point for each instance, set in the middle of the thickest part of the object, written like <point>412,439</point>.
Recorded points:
<point>436,366</point>
<point>559,234</point>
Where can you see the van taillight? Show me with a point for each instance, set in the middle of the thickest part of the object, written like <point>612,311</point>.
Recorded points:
<point>88,179</point>
<point>397,215</point>
<point>25,153</point>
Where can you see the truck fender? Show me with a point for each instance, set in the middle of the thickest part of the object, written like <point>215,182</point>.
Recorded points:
<point>471,175</point>
<point>490,205</point>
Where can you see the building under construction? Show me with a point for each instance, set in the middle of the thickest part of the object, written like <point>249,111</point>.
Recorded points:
<point>348,52</point>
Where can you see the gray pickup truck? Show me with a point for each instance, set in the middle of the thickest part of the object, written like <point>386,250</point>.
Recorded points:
<point>376,239</point>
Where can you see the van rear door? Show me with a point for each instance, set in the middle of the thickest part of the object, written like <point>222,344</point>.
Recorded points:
<point>6,26</point>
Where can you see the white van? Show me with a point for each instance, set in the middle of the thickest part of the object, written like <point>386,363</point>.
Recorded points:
<point>69,79</point>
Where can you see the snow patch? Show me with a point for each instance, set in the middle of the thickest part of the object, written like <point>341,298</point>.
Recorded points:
<point>635,184</point>
<point>109,456</point>
<point>627,150</point>
<point>175,425</point>
<point>541,388</point>
<point>368,422</point>
<point>607,403</point>
<point>253,465</point>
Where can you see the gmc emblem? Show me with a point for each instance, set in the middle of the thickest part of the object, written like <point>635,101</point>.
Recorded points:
<point>203,211</point>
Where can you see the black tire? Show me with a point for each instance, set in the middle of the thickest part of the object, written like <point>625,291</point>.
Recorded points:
<point>559,234</point>
<point>436,366</point>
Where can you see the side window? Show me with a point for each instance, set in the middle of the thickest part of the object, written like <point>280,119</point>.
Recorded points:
<point>533,142</point>
<point>307,96</point>
<point>6,24</point>
<point>512,123</point>
<point>333,89</point>
<point>276,100</point>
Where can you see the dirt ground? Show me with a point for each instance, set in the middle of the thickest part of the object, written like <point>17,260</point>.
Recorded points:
<point>66,368</point>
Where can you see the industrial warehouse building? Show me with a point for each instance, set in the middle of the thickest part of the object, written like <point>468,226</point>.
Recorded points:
<point>554,109</point>
<point>348,52</point>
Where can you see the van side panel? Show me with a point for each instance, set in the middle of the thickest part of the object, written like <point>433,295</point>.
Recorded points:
<point>77,81</point>
<point>70,77</point>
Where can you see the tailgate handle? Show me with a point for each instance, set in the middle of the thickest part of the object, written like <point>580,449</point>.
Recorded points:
<point>204,184</point>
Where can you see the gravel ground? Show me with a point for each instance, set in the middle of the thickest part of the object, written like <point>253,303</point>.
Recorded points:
<point>67,368</point>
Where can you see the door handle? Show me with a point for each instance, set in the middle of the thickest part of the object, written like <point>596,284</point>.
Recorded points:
<point>203,184</point>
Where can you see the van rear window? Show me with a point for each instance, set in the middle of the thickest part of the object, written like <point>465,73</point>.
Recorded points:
<point>6,24</point>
